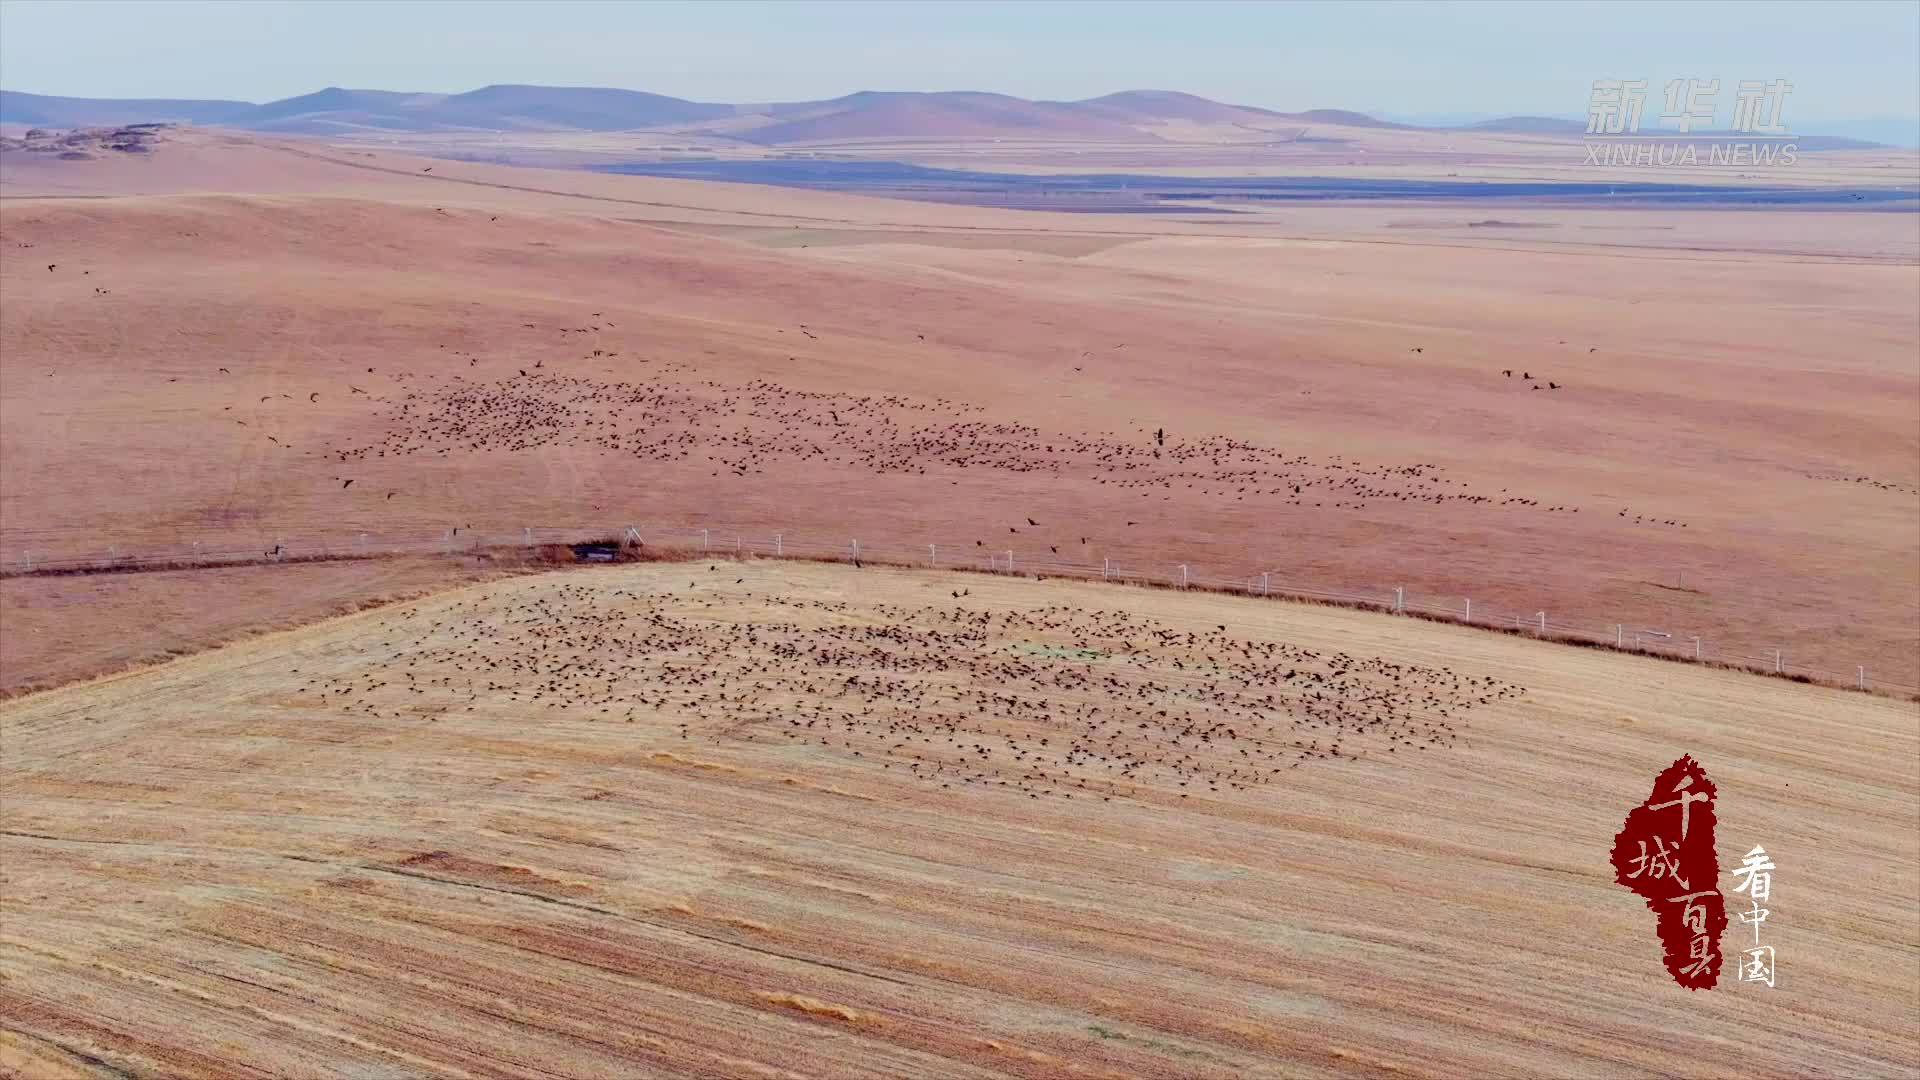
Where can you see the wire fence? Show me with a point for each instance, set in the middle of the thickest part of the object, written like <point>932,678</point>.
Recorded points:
<point>430,539</point>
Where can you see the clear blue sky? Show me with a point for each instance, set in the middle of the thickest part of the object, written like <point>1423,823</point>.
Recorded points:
<point>1848,62</point>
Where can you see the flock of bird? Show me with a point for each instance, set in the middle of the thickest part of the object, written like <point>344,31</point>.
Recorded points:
<point>1047,702</point>
<point>1531,384</point>
<point>1866,481</point>
<point>738,430</point>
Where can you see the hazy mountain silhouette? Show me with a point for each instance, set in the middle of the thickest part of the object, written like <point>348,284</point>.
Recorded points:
<point>1130,115</point>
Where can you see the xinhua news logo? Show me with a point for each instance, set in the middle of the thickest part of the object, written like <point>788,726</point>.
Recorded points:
<point>1685,135</point>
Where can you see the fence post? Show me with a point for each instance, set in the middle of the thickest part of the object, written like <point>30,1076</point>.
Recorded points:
<point>778,549</point>
<point>703,539</point>
<point>1776,661</point>
<point>1619,637</point>
<point>1106,567</point>
<point>856,551</point>
<point>933,556</point>
<point>526,535</point>
<point>1696,646</point>
<point>1400,599</point>
<point>1263,583</point>
<point>1183,575</point>
<point>1863,677</point>
<point>1543,621</point>
<point>1009,561</point>
<point>1469,615</point>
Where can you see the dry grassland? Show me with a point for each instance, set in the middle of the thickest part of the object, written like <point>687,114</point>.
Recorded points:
<point>1718,436</point>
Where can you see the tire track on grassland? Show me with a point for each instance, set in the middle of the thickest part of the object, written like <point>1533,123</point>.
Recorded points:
<point>175,986</point>
<point>944,1045</point>
<point>20,1009</point>
<point>99,1065</point>
<point>344,867</point>
<point>353,962</point>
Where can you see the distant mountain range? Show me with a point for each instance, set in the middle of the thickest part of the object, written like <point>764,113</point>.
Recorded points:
<point>1131,115</point>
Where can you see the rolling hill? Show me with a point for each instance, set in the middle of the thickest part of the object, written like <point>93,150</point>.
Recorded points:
<point>1130,115</point>
<point>39,110</point>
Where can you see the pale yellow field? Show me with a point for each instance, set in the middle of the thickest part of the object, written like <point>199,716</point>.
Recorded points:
<point>790,819</point>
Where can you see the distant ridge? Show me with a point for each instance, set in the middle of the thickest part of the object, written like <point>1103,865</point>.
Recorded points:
<point>1126,116</point>
<point>39,111</point>
<point>1348,118</point>
<point>1536,125</point>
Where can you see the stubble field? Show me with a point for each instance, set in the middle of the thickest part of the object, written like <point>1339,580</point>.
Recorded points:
<point>770,818</point>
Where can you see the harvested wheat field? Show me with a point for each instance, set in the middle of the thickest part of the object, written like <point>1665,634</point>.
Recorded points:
<point>791,819</point>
